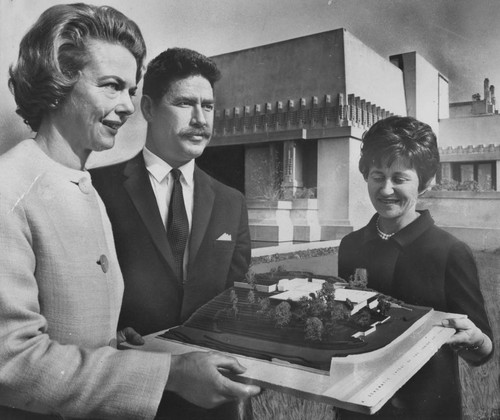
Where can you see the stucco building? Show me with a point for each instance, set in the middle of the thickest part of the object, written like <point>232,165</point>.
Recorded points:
<point>470,141</point>
<point>289,120</point>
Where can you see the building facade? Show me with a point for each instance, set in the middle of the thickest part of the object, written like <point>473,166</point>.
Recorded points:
<point>289,120</point>
<point>470,143</point>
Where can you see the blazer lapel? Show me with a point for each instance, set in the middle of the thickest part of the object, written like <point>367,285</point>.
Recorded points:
<point>139,188</point>
<point>203,202</point>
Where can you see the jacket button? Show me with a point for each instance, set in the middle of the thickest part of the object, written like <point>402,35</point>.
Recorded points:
<point>84,185</point>
<point>103,262</point>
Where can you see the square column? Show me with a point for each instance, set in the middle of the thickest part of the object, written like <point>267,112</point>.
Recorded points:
<point>292,168</point>
<point>343,201</point>
<point>498,175</point>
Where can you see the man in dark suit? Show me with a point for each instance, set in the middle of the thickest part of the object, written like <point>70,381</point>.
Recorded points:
<point>174,258</point>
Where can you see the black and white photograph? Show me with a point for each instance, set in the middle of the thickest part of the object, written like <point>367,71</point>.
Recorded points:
<point>249,210</point>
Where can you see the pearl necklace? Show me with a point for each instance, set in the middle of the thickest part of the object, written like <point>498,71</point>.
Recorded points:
<point>383,236</point>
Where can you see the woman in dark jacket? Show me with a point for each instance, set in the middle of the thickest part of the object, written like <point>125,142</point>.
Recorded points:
<point>406,256</point>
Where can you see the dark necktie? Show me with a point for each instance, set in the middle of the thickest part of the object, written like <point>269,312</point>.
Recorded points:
<point>177,223</point>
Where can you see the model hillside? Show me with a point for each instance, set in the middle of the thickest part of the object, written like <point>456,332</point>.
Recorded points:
<point>299,317</point>
<point>317,305</point>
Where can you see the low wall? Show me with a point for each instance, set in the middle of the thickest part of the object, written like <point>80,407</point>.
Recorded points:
<point>284,220</point>
<point>473,217</point>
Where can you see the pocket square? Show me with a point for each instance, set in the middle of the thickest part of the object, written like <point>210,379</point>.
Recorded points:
<point>225,237</point>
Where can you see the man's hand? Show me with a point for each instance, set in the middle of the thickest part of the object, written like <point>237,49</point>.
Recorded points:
<point>197,378</point>
<point>130,336</point>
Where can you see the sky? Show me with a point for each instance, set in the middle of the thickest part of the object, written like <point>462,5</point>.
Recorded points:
<point>459,37</point>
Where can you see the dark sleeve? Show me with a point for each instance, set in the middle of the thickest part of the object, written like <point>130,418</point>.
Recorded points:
<point>347,257</point>
<point>242,250</point>
<point>462,287</point>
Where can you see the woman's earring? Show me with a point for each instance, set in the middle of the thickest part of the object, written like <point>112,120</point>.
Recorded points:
<point>54,104</point>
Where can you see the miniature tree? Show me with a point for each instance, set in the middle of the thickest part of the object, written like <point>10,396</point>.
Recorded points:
<point>383,307</point>
<point>250,278</point>
<point>233,298</point>
<point>359,279</point>
<point>251,297</point>
<point>311,306</point>
<point>363,317</point>
<point>313,329</point>
<point>282,314</point>
<point>264,303</point>
<point>302,309</point>
<point>318,308</point>
<point>349,304</point>
<point>264,307</point>
<point>339,312</point>
<point>327,292</point>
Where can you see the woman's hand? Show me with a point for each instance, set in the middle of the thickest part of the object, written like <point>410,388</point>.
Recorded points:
<point>472,344</point>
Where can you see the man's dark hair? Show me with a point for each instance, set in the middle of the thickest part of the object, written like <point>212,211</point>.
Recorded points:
<point>401,138</point>
<point>174,64</point>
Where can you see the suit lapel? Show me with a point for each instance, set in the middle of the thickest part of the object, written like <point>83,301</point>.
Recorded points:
<point>139,188</point>
<point>203,202</point>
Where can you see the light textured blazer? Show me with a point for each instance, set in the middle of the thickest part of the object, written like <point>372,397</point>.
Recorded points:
<point>219,246</point>
<point>60,296</point>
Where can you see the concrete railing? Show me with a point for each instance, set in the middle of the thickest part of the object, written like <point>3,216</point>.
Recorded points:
<point>281,221</point>
<point>473,217</point>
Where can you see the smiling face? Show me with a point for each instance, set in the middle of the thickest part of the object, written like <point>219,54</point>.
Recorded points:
<point>100,102</point>
<point>180,124</point>
<point>394,192</point>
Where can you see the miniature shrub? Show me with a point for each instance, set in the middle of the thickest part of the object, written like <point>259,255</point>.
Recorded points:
<point>233,311</point>
<point>251,297</point>
<point>363,317</point>
<point>313,329</point>
<point>282,314</point>
<point>359,279</point>
<point>264,308</point>
<point>339,312</point>
<point>250,278</point>
<point>327,292</point>
<point>383,306</point>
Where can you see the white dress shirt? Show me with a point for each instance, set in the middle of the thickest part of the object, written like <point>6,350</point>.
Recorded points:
<point>162,183</point>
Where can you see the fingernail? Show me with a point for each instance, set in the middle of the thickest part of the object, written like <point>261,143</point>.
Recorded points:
<point>445,322</point>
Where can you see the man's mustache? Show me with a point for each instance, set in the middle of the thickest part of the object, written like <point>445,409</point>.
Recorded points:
<point>196,132</point>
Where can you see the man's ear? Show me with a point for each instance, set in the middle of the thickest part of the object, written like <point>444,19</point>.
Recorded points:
<point>147,107</point>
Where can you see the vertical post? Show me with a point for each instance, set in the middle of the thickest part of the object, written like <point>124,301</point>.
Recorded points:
<point>236,119</point>
<point>327,108</point>
<point>291,112</point>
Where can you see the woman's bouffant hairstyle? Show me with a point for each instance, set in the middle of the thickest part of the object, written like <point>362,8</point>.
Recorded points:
<point>174,64</point>
<point>401,138</point>
<point>54,50</point>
